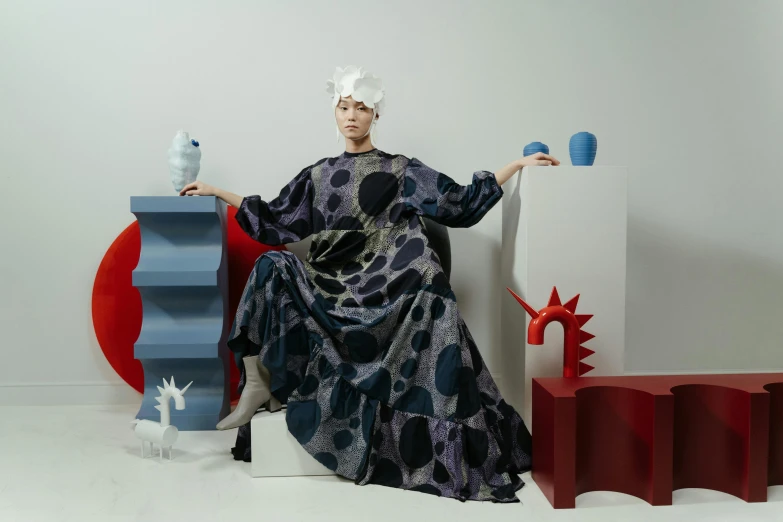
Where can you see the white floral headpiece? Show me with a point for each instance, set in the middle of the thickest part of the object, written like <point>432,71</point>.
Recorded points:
<point>361,86</point>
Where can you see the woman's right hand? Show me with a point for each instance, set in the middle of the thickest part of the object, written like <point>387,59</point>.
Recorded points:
<point>198,188</point>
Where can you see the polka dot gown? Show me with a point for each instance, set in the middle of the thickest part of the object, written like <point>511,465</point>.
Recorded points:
<point>364,342</point>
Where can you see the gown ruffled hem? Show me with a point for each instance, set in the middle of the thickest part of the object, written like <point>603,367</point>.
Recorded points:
<point>354,429</point>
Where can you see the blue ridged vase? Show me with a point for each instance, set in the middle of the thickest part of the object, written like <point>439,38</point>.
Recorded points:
<point>536,146</point>
<point>582,148</point>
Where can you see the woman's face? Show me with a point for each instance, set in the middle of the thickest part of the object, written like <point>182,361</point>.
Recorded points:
<point>353,118</point>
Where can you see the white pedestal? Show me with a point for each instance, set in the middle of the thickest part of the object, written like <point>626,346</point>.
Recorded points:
<point>276,453</point>
<point>564,227</point>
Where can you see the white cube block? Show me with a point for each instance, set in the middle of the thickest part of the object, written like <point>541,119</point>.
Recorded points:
<point>276,453</point>
<point>565,227</point>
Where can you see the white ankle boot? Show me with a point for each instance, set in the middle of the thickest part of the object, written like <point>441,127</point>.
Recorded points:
<point>255,394</point>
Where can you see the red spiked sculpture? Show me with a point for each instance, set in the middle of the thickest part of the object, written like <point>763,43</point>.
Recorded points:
<point>573,337</point>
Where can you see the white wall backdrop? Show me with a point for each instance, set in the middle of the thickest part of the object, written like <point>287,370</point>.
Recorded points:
<point>686,94</point>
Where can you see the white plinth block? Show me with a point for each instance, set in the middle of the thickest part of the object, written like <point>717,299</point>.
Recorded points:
<point>276,453</point>
<point>565,227</point>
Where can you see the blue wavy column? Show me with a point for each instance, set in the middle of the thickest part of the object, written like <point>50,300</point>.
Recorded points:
<point>182,277</point>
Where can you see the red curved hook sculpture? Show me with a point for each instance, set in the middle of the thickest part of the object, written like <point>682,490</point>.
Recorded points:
<point>573,337</point>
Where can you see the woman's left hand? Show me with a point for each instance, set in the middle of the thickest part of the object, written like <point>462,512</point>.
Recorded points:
<point>539,158</point>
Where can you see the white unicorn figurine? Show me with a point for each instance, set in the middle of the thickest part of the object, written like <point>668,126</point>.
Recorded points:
<point>161,433</point>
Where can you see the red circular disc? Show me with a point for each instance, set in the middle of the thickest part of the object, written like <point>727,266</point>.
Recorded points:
<point>116,304</point>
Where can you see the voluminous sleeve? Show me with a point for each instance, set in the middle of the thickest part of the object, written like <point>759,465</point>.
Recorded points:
<point>285,219</point>
<point>430,193</point>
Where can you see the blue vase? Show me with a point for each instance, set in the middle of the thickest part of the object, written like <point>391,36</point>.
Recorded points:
<point>536,146</point>
<point>582,148</point>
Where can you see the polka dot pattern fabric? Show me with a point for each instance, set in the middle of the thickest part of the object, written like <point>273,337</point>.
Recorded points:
<point>383,381</point>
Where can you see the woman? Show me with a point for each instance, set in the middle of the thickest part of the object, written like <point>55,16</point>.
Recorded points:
<point>364,342</point>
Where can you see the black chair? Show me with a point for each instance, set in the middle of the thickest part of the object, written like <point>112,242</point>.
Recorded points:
<point>438,236</point>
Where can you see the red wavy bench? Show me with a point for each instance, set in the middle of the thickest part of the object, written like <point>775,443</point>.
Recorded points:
<point>647,436</point>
